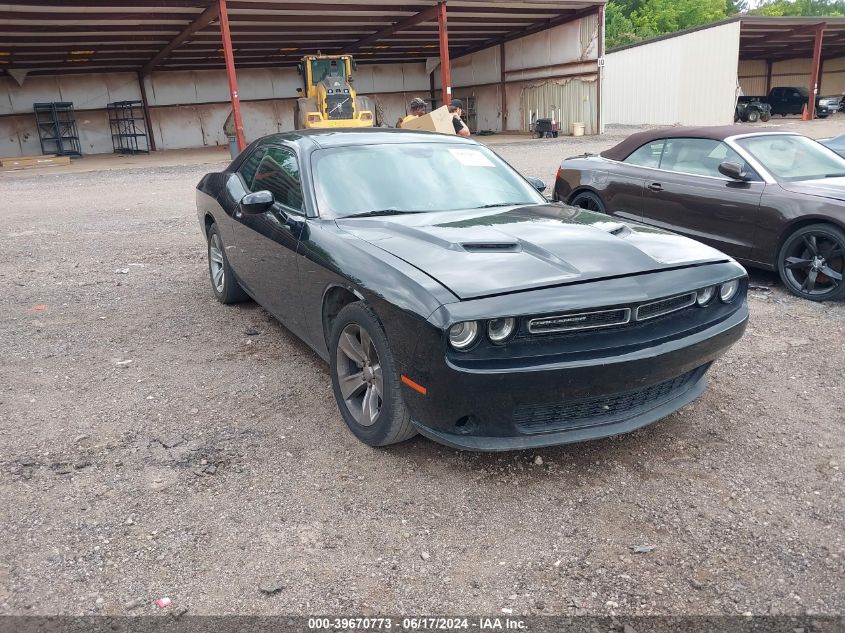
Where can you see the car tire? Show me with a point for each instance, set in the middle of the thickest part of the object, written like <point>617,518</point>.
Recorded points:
<point>810,261</point>
<point>362,364</point>
<point>226,288</point>
<point>587,200</point>
<point>753,116</point>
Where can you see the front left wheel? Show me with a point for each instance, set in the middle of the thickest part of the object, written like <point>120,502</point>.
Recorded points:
<point>365,380</point>
<point>811,262</point>
<point>226,288</point>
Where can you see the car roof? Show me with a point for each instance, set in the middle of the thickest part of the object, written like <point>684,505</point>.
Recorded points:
<point>716,133</point>
<point>364,136</point>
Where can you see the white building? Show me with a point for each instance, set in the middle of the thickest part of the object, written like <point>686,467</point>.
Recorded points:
<point>691,77</point>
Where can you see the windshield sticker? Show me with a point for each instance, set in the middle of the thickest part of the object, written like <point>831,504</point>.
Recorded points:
<point>471,157</point>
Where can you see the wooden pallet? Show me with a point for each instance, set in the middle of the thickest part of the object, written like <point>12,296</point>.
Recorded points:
<point>25,162</point>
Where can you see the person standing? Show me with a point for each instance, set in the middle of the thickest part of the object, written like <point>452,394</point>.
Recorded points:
<point>457,109</point>
<point>417,109</point>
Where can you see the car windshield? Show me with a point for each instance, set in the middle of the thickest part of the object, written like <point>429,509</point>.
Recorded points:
<point>414,177</point>
<point>793,157</point>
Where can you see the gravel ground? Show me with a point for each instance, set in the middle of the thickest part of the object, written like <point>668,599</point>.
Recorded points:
<point>156,443</point>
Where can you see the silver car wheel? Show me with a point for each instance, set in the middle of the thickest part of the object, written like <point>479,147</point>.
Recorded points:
<point>359,374</point>
<point>215,263</point>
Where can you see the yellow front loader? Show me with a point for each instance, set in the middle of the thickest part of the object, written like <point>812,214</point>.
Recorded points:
<point>329,100</point>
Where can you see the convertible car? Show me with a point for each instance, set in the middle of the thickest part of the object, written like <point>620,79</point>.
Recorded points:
<point>450,298</point>
<point>772,200</point>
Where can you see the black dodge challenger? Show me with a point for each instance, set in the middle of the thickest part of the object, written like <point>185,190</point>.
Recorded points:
<point>452,299</point>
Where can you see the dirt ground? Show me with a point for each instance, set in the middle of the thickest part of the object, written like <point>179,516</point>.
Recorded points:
<point>156,443</point>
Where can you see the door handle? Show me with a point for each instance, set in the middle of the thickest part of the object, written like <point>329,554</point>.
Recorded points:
<point>655,186</point>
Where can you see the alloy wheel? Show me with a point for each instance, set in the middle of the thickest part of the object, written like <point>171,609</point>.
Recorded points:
<point>215,263</point>
<point>359,374</point>
<point>814,265</point>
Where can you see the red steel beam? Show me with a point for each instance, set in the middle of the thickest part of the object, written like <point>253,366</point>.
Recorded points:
<point>599,69</point>
<point>814,71</point>
<point>226,36</point>
<point>205,18</point>
<point>147,120</point>
<point>503,87</point>
<point>419,18</point>
<point>445,65</point>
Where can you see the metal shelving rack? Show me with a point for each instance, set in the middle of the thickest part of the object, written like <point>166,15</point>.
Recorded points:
<point>57,131</point>
<point>128,127</point>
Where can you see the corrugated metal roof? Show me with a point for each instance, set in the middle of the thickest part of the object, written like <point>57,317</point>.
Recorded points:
<point>46,36</point>
<point>774,37</point>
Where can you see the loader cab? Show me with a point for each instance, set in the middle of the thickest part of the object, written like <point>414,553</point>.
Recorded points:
<point>318,69</point>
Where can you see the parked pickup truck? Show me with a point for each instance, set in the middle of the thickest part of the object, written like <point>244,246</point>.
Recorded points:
<point>791,100</point>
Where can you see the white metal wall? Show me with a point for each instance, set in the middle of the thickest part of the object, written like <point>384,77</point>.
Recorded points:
<point>689,79</point>
<point>535,64</point>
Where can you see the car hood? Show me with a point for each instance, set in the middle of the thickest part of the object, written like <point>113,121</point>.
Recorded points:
<point>485,252</point>
<point>833,188</point>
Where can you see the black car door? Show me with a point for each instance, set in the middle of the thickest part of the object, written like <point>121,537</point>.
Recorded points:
<point>689,195</point>
<point>266,244</point>
<point>623,195</point>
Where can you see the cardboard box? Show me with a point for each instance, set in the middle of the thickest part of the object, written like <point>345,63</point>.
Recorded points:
<point>439,120</point>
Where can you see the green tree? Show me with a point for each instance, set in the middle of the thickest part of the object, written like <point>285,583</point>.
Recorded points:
<point>628,21</point>
<point>795,8</point>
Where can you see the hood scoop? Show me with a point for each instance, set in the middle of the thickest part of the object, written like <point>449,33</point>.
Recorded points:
<point>491,247</point>
<point>620,230</point>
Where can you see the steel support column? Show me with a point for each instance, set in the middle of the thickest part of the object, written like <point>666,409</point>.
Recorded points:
<point>768,76</point>
<point>151,138</point>
<point>503,87</point>
<point>814,71</point>
<point>445,67</point>
<point>599,67</point>
<point>226,36</point>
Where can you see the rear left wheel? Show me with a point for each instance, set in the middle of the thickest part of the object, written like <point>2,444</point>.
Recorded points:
<point>364,379</point>
<point>811,262</point>
<point>588,200</point>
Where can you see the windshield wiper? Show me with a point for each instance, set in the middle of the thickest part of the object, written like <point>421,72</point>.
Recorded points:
<point>834,175</point>
<point>365,214</point>
<point>502,204</point>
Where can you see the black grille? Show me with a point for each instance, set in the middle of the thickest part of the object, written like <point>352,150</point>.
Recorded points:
<point>535,418</point>
<point>579,321</point>
<point>665,306</point>
<point>339,106</point>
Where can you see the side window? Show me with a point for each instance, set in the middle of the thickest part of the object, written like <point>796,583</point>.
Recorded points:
<point>777,93</point>
<point>698,156</point>
<point>647,155</point>
<point>278,173</point>
<point>248,167</point>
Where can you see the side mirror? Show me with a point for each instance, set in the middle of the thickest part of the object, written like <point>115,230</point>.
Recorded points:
<point>354,65</point>
<point>733,171</point>
<point>300,68</point>
<point>256,203</point>
<point>538,184</point>
<point>299,89</point>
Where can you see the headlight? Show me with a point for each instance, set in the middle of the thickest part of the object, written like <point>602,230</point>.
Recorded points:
<point>500,329</point>
<point>463,335</point>
<point>705,295</point>
<point>728,290</point>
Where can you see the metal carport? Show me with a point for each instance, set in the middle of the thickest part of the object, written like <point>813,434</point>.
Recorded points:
<point>41,37</point>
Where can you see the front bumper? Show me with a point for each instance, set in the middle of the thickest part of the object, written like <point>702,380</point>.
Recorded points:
<point>585,399</point>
